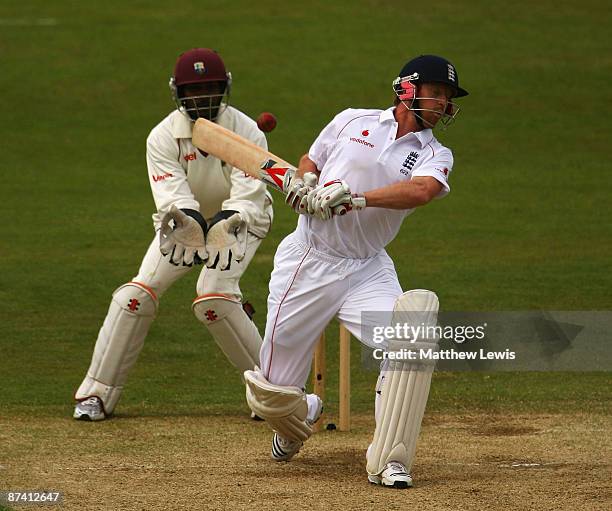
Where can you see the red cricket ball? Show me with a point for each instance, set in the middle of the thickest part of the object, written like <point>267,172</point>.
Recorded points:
<point>266,122</point>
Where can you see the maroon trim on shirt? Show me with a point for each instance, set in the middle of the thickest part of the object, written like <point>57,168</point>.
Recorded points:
<point>355,118</point>
<point>267,375</point>
<point>432,149</point>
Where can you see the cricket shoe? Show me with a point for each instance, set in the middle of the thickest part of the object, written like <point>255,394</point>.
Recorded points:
<point>91,409</point>
<point>284,449</point>
<point>394,475</point>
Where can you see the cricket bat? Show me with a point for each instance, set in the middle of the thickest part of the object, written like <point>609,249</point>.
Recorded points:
<point>244,155</point>
<point>241,153</point>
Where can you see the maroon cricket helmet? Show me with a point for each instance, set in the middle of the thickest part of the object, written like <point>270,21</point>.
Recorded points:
<point>199,65</point>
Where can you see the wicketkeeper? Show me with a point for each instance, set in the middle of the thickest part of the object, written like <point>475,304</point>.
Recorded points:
<point>380,165</point>
<point>209,215</point>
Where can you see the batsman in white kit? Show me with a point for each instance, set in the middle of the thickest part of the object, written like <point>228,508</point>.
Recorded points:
<point>379,165</point>
<point>208,213</point>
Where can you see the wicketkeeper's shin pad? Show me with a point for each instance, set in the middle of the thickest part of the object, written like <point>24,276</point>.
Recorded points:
<point>120,340</point>
<point>232,329</point>
<point>405,384</point>
<point>284,408</point>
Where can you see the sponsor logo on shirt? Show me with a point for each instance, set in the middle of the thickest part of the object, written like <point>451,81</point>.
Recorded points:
<point>362,142</point>
<point>365,133</point>
<point>409,162</point>
<point>161,178</point>
<point>190,156</point>
<point>444,171</point>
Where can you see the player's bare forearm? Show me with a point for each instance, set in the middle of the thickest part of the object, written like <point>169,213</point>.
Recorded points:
<point>404,195</point>
<point>307,165</point>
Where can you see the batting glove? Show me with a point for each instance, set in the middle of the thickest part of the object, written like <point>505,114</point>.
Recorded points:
<point>333,198</point>
<point>297,188</point>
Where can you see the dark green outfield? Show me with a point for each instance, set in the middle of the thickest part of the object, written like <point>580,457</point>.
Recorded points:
<point>527,226</point>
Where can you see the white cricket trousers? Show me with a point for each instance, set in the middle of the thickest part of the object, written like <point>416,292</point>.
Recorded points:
<point>308,288</point>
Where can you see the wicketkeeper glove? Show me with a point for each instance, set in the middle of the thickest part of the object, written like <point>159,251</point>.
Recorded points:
<point>184,240</point>
<point>226,239</point>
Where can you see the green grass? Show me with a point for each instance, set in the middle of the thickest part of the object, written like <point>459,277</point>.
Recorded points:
<point>527,225</point>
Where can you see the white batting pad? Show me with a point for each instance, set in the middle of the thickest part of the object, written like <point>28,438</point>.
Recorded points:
<point>120,340</point>
<point>284,408</point>
<point>418,306</point>
<point>232,329</point>
<point>405,386</point>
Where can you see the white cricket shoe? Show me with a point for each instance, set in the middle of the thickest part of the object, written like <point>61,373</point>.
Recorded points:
<point>394,474</point>
<point>284,449</point>
<point>90,409</point>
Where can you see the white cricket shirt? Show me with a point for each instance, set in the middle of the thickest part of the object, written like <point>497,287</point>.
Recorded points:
<point>180,174</point>
<point>359,147</point>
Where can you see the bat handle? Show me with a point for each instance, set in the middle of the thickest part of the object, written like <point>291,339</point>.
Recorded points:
<point>340,210</point>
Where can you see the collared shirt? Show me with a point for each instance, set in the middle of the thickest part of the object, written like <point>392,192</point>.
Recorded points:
<point>359,147</point>
<point>181,175</point>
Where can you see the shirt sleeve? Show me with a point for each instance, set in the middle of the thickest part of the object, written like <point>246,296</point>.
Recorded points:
<point>247,194</point>
<point>439,167</point>
<point>167,177</point>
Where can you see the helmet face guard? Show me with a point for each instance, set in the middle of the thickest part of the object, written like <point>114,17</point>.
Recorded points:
<point>209,106</point>
<point>200,84</point>
<point>405,89</point>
